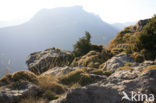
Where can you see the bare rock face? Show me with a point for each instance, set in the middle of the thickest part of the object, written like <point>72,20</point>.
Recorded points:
<point>112,89</point>
<point>10,95</point>
<point>40,62</point>
<point>116,62</point>
<point>56,71</point>
<point>139,26</point>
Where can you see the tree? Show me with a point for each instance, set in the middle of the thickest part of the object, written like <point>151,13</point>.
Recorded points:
<point>82,46</point>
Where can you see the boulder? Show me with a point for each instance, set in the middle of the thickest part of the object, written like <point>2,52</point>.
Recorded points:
<point>57,71</point>
<point>117,61</point>
<point>40,62</point>
<point>12,95</point>
<point>140,24</point>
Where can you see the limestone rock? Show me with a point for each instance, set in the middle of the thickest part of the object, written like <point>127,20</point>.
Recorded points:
<point>140,24</point>
<point>56,71</point>
<point>110,90</point>
<point>40,62</point>
<point>10,95</point>
<point>116,62</point>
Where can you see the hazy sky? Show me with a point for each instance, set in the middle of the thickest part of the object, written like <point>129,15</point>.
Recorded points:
<point>111,11</point>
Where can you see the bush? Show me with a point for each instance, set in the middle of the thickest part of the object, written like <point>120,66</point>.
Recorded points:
<point>138,57</point>
<point>50,95</point>
<point>78,76</point>
<point>29,100</point>
<point>85,79</point>
<point>116,51</point>
<point>18,77</point>
<point>72,77</point>
<point>92,59</point>
<point>6,79</point>
<point>146,40</point>
<point>82,46</point>
<point>24,76</point>
<point>50,87</point>
<point>101,72</point>
<point>97,48</point>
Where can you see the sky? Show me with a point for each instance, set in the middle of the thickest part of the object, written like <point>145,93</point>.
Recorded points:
<point>111,11</point>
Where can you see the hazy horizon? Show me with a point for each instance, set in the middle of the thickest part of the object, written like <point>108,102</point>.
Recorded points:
<point>121,11</point>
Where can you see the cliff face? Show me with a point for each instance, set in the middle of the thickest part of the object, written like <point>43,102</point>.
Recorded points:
<point>40,62</point>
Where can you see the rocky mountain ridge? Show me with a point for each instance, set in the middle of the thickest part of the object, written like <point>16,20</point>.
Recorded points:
<point>99,76</point>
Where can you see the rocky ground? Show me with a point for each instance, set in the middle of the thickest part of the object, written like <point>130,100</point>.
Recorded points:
<point>106,76</point>
<point>127,75</point>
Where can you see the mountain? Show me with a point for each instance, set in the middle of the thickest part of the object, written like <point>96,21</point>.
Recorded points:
<point>121,26</point>
<point>59,27</point>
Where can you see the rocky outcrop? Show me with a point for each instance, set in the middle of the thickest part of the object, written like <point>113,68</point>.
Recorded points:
<point>57,71</point>
<point>127,35</point>
<point>140,24</point>
<point>116,62</point>
<point>113,88</point>
<point>40,62</point>
<point>12,95</point>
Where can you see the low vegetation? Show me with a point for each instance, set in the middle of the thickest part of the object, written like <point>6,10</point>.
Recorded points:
<point>19,76</point>
<point>101,72</point>
<point>50,87</point>
<point>92,59</point>
<point>79,76</point>
<point>140,44</point>
<point>151,67</point>
<point>124,68</point>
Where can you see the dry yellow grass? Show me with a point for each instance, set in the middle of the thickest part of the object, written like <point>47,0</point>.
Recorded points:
<point>151,67</point>
<point>124,68</point>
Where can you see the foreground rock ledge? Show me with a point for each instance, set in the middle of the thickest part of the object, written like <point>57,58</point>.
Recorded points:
<point>110,90</point>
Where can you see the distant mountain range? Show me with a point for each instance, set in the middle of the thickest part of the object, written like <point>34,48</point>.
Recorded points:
<point>59,27</point>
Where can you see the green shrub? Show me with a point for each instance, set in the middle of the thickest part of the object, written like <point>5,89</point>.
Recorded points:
<point>78,76</point>
<point>116,51</point>
<point>50,95</point>
<point>82,46</point>
<point>50,86</point>
<point>138,57</point>
<point>18,77</point>
<point>85,79</point>
<point>97,48</point>
<point>72,77</point>
<point>24,76</point>
<point>92,59</point>
<point>6,79</point>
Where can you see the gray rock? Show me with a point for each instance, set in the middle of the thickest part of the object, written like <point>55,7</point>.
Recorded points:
<point>139,26</point>
<point>110,90</point>
<point>56,71</point>
<point>117,61</point>
<point>9,95</point>
<point>40,62</point>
